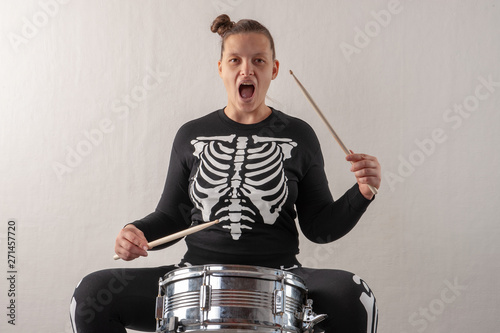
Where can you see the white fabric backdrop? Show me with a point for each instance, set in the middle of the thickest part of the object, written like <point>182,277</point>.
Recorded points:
<point>93,92</point>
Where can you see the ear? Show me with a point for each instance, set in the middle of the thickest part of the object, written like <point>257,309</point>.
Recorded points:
<point>276,68</point>
<point>219,66</point>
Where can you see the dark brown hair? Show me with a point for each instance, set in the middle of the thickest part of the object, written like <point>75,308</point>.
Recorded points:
<point>225,28</point>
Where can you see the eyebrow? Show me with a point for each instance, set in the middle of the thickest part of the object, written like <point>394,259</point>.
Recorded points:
<point>259,54</point>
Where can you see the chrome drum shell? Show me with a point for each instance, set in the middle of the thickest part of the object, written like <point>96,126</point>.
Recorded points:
<point>231,298</point>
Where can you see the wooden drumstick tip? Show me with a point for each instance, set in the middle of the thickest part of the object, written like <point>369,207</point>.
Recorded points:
<point>373,189</point>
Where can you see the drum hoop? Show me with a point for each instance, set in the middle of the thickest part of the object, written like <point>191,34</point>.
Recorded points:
<point>264,273</point>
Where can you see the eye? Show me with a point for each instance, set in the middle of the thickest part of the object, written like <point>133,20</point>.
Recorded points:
<point>260,61</point>
<point>233,60</point>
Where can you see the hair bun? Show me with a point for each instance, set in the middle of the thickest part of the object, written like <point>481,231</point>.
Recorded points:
<point>222,24</point>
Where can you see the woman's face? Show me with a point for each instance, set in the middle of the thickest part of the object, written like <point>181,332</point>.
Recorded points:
<point>247,68</point>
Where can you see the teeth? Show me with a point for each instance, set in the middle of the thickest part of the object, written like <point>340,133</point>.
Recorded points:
<point>247,84</point>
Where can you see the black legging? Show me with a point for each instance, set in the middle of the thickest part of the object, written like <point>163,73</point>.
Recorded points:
<point>114,299</point>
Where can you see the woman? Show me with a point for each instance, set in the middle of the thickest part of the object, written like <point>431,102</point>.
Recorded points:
<point>255,169</point>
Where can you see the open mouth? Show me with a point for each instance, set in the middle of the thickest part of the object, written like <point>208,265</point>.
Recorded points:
<point>246,90</point>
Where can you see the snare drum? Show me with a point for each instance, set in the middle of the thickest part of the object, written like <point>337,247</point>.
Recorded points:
<point>233,298</point>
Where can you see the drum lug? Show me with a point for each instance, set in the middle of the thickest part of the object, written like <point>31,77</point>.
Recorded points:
<point>205,294</point>
<point>160,303</point>
<point>279,302</point>
<point>160,306</point>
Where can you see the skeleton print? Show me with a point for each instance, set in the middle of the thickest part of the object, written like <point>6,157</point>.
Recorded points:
<point>240,180</point>
<point>368,301</point>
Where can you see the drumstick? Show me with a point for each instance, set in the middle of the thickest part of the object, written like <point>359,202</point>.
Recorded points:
<point>177,235</point>
<point>330,128</point>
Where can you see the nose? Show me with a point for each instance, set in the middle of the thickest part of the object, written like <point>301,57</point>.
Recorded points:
<point>246,68</point>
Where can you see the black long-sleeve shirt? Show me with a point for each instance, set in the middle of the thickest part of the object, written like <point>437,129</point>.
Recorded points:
<point>256,179</point>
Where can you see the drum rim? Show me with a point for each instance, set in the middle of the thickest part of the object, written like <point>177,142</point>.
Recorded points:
<point>235,270</point>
